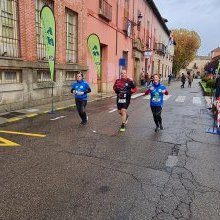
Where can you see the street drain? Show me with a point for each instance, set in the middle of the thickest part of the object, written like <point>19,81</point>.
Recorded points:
<point>12,115</point>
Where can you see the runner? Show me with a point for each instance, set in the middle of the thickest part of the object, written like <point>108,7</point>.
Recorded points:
<point>156,91</point>
<point>80,88</point>
<point>124,87</point>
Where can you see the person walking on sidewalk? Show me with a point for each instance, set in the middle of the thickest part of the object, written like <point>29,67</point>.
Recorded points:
<point>157,90</point>
<point>190,79</point>
<point>124,87</point>
<point>80,88</point>
<point>183,80</point>
<point>169,78</point>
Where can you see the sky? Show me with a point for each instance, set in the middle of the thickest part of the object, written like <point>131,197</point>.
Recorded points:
<point>202,16</point>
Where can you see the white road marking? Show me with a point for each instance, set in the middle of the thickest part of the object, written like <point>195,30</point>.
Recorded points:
<point>32,110</point>
<point>171,161</point>
<point>180,98</point>
<point>137,95</point>
<point>113,110</point>
<point>196,100</point>
<point>53,119</point>
<point>147,97</point>
<point>166,97</point>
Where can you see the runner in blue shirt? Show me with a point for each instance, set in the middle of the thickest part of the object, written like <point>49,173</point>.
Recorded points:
<point>157,90</point>
<point>80,88</point>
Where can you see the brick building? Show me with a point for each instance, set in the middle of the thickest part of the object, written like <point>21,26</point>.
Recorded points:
<point>129,29</point>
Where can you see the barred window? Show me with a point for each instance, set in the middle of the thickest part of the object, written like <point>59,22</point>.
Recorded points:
<point>71,75</point>
<point>10,76</point>
<point>43,76</point>
<point>71,36</point>
<point>9,37</point>
<point>41,47</point>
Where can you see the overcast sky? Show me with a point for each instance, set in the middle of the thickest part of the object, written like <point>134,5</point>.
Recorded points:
<point>202,16</point>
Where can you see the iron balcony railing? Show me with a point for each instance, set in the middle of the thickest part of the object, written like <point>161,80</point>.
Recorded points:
<point>160,48</point>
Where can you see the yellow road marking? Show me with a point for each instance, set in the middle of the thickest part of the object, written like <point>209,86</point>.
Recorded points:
<point>6,143</point>
<point>13,119</point>
<point>23,133</point>
<point>31,115</point>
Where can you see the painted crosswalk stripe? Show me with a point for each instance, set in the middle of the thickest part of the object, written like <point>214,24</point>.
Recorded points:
<point>137,95</point>
<point>180,98</point>
<point>166,97</point>
<point>147,97</point>
<point>196,100</point>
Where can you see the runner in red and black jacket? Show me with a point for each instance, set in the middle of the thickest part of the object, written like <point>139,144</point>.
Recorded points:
<point>124,87</point>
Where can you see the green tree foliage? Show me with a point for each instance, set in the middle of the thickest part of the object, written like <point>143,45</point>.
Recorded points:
<point>187,44</point>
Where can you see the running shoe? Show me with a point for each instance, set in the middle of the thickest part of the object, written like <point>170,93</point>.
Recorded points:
<point>122,128</point>
<point>161,127</point>
<point>156,129</point>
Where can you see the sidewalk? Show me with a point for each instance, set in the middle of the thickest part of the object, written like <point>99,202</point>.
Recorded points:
<point>17,115</point>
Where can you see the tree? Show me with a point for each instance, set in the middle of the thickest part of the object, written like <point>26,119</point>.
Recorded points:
<point>187,44</point>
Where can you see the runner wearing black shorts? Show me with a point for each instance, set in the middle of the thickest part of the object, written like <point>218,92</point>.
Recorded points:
<point>124,87</point>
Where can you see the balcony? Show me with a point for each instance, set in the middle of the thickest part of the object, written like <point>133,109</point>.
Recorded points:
<point>105,10</point>
<point>160,48</point>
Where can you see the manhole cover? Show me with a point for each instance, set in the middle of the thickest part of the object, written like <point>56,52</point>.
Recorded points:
<point>12,114</point>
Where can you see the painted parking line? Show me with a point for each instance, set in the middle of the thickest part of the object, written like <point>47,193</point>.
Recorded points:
<point>6,143</point>
<point>180,98</point>
<point>54,119</point>
<point>113,110</point>
<point>197,100</point>
<point>23,133</point>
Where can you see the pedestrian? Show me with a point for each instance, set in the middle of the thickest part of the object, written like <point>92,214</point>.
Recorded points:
<point>147,79</point>
<point>190,80</point>
<point>183,80</point>
<point>151,79</point>
<point>142,78</point>
<point>80,88</point>
<point>157,91</point>
<point>124,87</point>
<point>217,87</point>
<point>169,78</point>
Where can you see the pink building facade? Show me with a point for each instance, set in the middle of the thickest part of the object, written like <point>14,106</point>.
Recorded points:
<point>129,30</point>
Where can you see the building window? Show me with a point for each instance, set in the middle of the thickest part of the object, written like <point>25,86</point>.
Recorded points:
<point>71,36</point>
<point>10,76</point>
<point>71,75</point>
<point>9,37</point>
<point>43,76</point>
<point>126,9</point>
<point>41,47</point>
<point>105,10</point>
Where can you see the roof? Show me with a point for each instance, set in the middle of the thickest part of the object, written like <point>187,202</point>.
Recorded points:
<point>216,49</point>
<point>158,15</point>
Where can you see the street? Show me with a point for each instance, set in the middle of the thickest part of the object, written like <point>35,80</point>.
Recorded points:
<point>95,172</point>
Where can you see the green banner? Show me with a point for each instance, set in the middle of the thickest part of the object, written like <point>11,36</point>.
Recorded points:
<point>49,35</point>
<point>94,47</point>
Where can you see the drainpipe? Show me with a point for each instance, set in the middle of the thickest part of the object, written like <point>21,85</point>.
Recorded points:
<point>116,40</point>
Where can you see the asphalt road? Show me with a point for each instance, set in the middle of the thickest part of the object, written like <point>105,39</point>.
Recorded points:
<point>96,172</point>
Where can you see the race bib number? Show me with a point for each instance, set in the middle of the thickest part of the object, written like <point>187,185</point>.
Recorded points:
<point>121,100</point>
